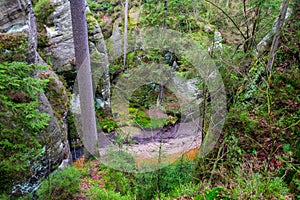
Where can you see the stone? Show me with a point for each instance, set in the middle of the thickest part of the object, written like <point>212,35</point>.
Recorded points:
<point>261,46</point>
<point>54,137</point>
<point>61,48</point>
<point>208,29</point>
<point>17,16</point>
<point>217,46</point>
<point>11,13</point>
<point>134,16</point>
<point>115,43</point>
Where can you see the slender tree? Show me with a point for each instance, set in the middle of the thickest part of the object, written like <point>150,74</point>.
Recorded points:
<point>84,76</point>
<point>125,33</point>
<point>275,41</point>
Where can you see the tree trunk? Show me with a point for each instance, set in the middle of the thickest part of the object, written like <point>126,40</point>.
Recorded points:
<point>84,76</point>
<point>32,37</point>
<point>277,35</point>
<point>125,33</point>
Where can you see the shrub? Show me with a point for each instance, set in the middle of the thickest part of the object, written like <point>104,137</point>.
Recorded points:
<point>99,193</point>
<point>166,180</point>
<point>257,186</point>
<point>61,185</point>
<point>20,121</point>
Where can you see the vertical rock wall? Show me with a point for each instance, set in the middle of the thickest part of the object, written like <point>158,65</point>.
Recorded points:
<point>17,16</point>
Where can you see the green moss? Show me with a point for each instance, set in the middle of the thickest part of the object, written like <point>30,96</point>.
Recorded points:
<point>91,22</point>
<point>177,17</point>
<point>105,8</point>
<point>42,10</point>
<point>57,94</point>
<point>13,47</point>
<point>107,125</point>
<point>42,40</point>
<point>141,119</point>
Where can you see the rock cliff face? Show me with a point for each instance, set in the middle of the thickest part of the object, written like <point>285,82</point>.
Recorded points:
<point>61,47</point>
<point>17,16</point>
<point>12,13</point>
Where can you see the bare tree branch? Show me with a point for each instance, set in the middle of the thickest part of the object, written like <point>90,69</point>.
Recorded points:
<point>236,26</point>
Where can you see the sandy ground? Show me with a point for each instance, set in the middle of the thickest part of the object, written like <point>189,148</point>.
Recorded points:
<point>164,146</point>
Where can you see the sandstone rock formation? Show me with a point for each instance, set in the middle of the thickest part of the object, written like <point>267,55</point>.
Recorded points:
<point>16,16</point>
<point>61,48</point>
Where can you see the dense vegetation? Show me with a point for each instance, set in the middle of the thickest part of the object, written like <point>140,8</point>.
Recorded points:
<point>21,121</point>
<point>258,153</point>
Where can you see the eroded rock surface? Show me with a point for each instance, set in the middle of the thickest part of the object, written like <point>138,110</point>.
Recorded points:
<point>17,16</point>
<point>61,49</point>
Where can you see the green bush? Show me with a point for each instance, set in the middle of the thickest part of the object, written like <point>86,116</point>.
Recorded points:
<point>188,189</point>
<point>210,194</point>
<point>108,125</point>
<point>166,180</point>
<point>61,185</point>
<point>20,121</point>
<point>257,186</point>
<point>4,197</point>
<point>99,193</point>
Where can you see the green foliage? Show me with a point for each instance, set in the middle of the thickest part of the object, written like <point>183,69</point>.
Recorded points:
<point>20,120</point>
<point>62,185</point>
<point>177,16</point>
<point>256,186</point>
<point>166,180</point>
<point>269,10</point>
<point>113,69</point>
<point>141,119</point>
<point>120,160</point>
<point>42,41</point>
<point>171,181</point>
<point>117,181</point>
<point>4,197</point>
<point>42,10</point>
<point>91,21</point>
<point>186,190</point>
<point>99,193</point>
<point>106,6</point>
<point>108,125</point>
<point>295,185</point>
<point>211,194</point>
<point>144,96</point>
<point>103,10</point>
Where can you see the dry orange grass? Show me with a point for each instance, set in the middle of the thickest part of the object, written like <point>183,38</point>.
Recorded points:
<point>187,156</point>
<point>79,163</point>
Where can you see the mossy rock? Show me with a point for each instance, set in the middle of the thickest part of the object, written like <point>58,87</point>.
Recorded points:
<point>42,10</point>
<point>13,47</point>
